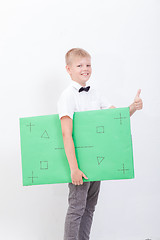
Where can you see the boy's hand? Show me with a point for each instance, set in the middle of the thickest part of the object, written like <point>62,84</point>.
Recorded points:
<point>138,101</point>
<point>76,176</point>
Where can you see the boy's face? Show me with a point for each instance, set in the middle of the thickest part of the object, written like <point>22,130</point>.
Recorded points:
<point>80,69</point>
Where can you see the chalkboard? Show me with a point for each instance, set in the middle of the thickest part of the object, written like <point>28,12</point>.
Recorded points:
<point>102,140</point>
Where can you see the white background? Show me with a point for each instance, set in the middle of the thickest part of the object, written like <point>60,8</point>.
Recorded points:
<point>123,39</point>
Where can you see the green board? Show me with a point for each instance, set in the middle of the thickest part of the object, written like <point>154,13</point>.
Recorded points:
<point>102,140</point>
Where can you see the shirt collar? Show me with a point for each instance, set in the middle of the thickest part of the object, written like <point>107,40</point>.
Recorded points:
<point>76,85</point>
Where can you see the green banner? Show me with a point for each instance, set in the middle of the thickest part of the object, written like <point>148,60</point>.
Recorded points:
<point>102,140</point>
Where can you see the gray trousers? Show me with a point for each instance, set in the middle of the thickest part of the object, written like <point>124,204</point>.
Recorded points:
<point>82,201</point>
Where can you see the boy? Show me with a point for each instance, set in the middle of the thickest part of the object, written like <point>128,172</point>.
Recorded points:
<point>83,196</point>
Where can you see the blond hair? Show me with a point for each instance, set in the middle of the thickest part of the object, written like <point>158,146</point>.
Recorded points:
<point>75,52</point>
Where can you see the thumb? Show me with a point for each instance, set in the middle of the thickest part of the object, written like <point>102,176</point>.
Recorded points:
<point>84,176</point>
<point>138,93</point>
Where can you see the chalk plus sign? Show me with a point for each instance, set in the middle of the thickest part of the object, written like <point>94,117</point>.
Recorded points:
<point>123,169</point>
<point>30,125</point>
<point>120,118</point>
<point>32,177</point>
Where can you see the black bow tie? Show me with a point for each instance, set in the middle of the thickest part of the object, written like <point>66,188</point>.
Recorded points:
<point>84,89</point>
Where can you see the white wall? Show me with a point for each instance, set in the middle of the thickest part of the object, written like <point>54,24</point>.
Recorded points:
<point>123,38</point>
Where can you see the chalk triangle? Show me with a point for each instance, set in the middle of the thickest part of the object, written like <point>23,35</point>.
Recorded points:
<point>100,159</point>
<point>45,135</point>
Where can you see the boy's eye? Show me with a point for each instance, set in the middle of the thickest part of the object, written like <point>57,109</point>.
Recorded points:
<point>81,65</point>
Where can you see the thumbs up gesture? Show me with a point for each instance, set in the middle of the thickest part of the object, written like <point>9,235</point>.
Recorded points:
<point>138,101</point>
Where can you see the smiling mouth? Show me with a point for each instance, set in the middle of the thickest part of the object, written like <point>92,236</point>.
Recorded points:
<point>85,74</point>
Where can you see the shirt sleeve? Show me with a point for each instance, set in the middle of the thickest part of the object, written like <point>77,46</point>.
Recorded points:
<point>66,105</point>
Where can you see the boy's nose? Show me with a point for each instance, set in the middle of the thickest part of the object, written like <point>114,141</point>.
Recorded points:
<point>84,67</point>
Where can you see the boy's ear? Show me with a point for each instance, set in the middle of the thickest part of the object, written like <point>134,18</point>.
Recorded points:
<point>68,69</point>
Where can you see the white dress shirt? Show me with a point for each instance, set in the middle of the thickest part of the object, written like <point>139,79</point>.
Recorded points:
<point>71,100</point>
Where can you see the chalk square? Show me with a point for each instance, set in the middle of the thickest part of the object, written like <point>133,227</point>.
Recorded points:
<point>43,165</point>
<point>100,129</point>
